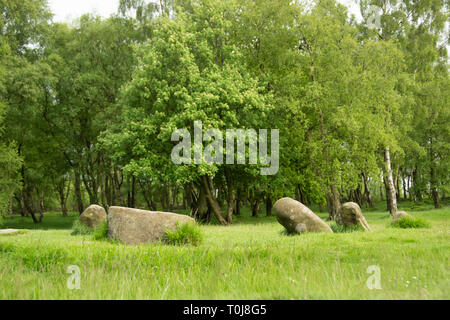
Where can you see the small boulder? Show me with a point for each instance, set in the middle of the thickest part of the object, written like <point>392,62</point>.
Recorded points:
<point>134,226</point>
<point>93,216</point>
<point>297,218</point>
<point>8,231</point>
<point>400,214</point>
<point>350,214</point>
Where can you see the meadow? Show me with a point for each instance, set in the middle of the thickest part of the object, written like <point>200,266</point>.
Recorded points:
<point>252,259</point>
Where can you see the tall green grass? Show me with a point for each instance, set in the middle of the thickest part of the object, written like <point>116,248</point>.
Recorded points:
<point>251,259</point>
<point>80,229</point>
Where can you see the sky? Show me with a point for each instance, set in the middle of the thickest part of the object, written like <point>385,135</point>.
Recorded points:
<point>68,10</point>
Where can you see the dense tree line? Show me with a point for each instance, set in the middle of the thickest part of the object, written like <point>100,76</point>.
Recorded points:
<point>87,109</point>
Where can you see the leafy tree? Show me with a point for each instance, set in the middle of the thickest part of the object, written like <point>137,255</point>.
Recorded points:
<point>91,62</point>
<point>23,77</point>
<point>187,72</point>
<point>418,26</point>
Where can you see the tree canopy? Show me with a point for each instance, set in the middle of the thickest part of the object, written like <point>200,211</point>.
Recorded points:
<point>88,110</point>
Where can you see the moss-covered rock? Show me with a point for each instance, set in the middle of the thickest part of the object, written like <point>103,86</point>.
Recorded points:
<point>93,216</point>
<point>350,214</point>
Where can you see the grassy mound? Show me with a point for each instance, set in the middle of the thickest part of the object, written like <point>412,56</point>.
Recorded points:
<point>99,233</point>
<point>343,229</point>
<point>186,234</point>
<point>410,223</point>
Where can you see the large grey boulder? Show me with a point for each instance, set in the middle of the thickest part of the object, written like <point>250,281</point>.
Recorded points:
<point>134,226</point>
<point>93,216</point>
<point>350,214</point>
<point>297,218</point>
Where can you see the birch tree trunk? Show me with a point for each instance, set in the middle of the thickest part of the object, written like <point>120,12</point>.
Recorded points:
<point>230,195</point>
<point>390,183</point>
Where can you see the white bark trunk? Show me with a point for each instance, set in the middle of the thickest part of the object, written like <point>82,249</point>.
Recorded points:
<point>390,182</point>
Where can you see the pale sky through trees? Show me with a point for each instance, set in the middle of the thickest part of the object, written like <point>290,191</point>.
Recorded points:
<point>67,10</point>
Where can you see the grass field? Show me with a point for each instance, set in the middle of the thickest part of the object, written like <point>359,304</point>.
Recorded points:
<point>253,259</point>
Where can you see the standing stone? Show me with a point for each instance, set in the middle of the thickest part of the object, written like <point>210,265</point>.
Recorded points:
<point>93,216</point>
<point>350,214</point>
<point>297,218</point>
<point>134,226</point>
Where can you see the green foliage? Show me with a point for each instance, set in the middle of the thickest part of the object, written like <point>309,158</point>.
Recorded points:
<point>10,161</point>
<point>9,177</point>
<point>23,26</point>
<point>410,223</point>
<point>80,229</point>
<point>101,232</point>
<point>192,86</point>
<point>343,229</point>
<point>101,98</point>
<point>23,22</point>
<point>186,234</point>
